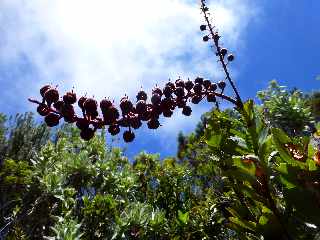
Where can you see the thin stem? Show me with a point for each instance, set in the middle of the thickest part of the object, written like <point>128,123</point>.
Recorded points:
<point>215,39</point>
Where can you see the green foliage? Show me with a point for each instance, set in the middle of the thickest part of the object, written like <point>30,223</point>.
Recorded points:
<point>289,111</point>
<point>240,176</point>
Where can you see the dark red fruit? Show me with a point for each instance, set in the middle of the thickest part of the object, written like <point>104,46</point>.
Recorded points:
<point>43,110</point>
<point>90,105</point>
<point>126,105</point>
<point>87,133</point>
<point>146,115</point>
<point>81,102</point>
<point>111,115</point>
<point>180,83</point>
<point>205,38</point>
<point>221,85</point>
<point>157,91</point>
<point>171,85</point>
<point>141,106</point>
<point>123,122</point>
<point>223,51</point>
<point>196,99</point>
<point>211,97</point>
<point>142,96</point>
<point>70,98</point>
<point>58,105</point>
<point>128,136</point>
<point>51,95</point>
<point>105,104</point>
<point>67,110</point>
<point>207,84</point>
<point>187,111</point>
<point>198,80</point>
<point>179,92</point>
<point>44,89</point>
<point>197,88</point>
<point>52,119</point>
<point>167,91</point>
<point>213,87</point>
<point>114,129</point>
<point>135,122</point>
<point>189,85</point>
<point>167,104</point>
<point>230,58</point>
<point>82,123</point>
<point>155,99</point>
<point>167,113</point>
<point>203,27</point>
<point>153,123</point>
<point>181,103</point>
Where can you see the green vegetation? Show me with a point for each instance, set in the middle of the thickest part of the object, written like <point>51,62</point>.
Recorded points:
<point>243,174</point>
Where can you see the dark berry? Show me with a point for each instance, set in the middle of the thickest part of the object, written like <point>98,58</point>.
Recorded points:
<point>82,123</point>
<point>153,123</point>
<point>51,95</point>
<point>230,58</point>
<point>90,105</point>
<point>211,97</point>
<point>52,119</point>
<point>70,97</point>
<point>44,89</point>
<point>167,113</point>
<point>135,122</point>
<point>207,84</point>
<point>43,110</point>
<point>58,105</point>
<point>199,80</point>
<point>167,91</point>
<point>111,115</point>
<point>128,136</point>
<point>181,103</point>
<point>179,83</point>
<point>114,129</point>
<point>142,96</point>
<point>167,104</point>
<point>146,115</point>
<point>222,85</point>
<point>126,105</point>
<point>223,51</point>
<point>196,99</point>
<point>203,27</point>
<point>213,87</point>
<point>179,92</point>
<point>105,104</point>
<point>141,106</point>
<point>155,99</point>
<point>81,102</point>
<point>157,90</point>
<point>189,85</point>
<point>205,38</point>
<point>187,111</point>
<point>123,122</point>
<point>67,110</point>
<point>171,85</point>
<point>197,88</point>
<point>87,133</point>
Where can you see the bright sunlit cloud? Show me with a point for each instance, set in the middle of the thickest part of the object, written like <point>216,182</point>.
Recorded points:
<point>110,48</point>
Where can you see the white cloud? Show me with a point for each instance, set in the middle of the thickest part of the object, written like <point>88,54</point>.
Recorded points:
<point>109,48</point>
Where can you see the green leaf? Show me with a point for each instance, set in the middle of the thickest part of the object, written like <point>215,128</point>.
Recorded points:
<point>183,217</point>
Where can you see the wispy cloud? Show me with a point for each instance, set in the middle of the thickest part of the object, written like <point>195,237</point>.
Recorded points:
<point>109,48</point>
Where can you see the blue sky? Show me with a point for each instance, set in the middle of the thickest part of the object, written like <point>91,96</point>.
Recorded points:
<point>91,46</point>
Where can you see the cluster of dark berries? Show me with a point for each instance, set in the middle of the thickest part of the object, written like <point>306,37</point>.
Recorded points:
<point>214,35</point>
<point>129,115</point>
